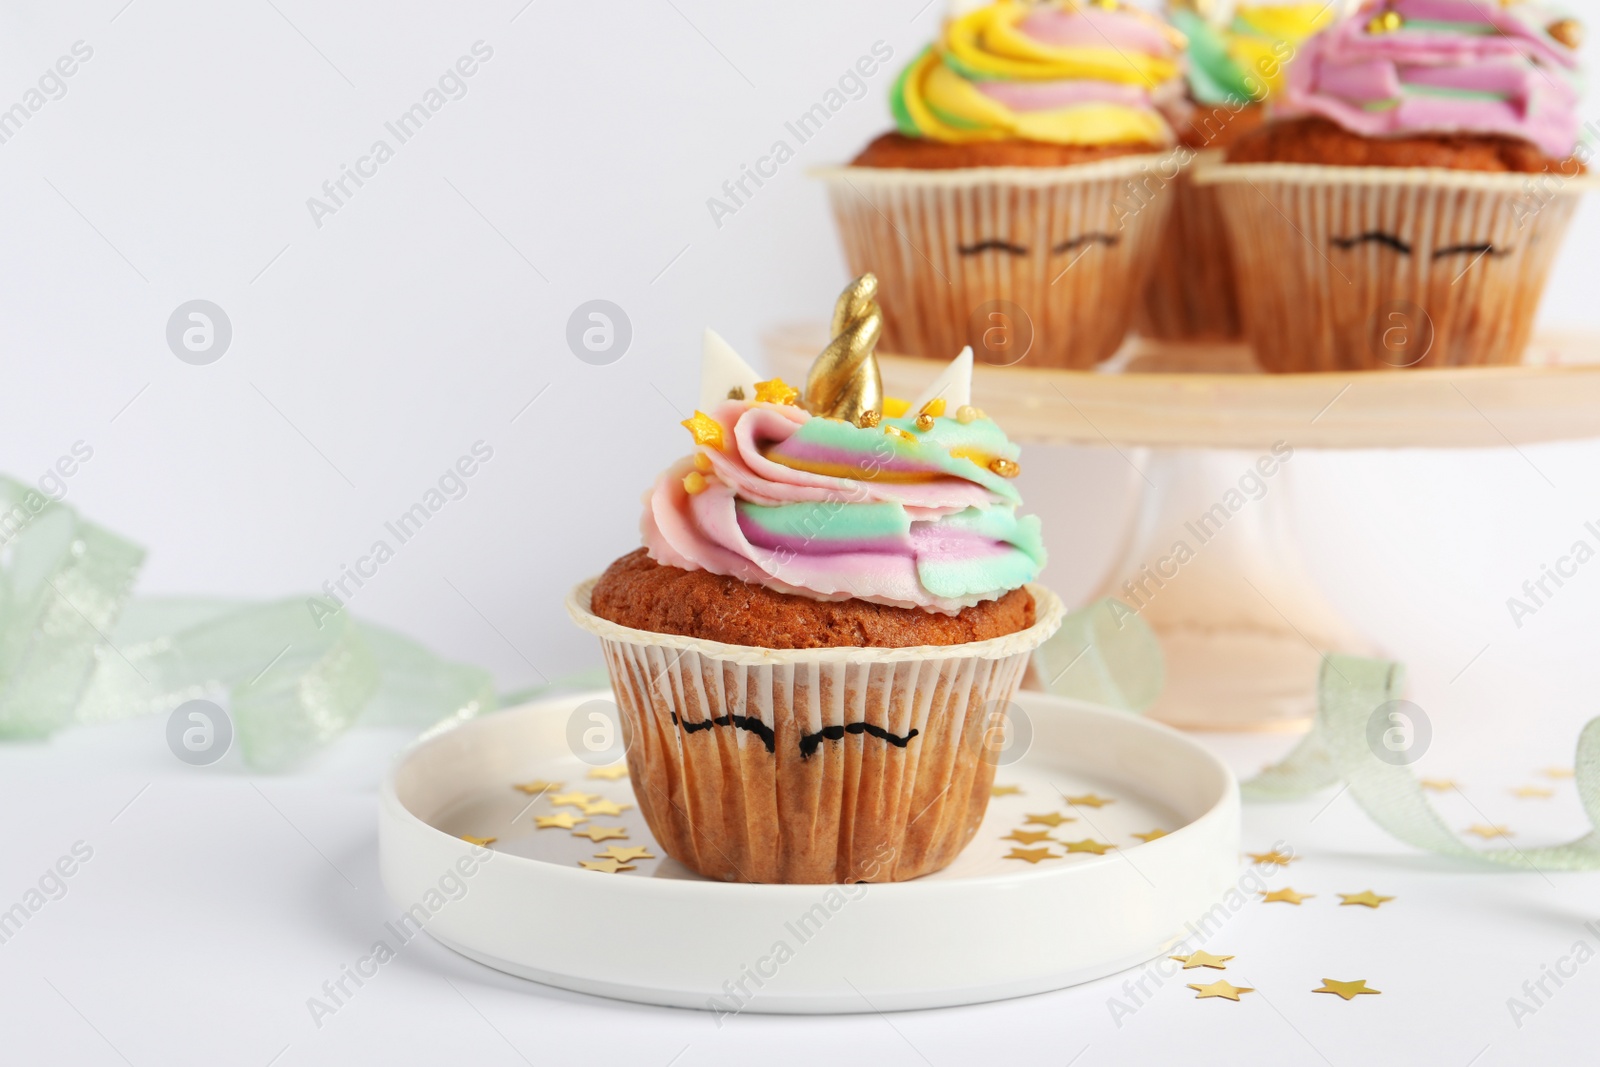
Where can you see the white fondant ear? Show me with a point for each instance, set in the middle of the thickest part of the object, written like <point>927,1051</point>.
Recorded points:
<point>721,370</point>
<point>954,384</point>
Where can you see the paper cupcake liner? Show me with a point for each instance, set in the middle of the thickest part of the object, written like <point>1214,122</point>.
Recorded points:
<point>1192,295</point>
<point>1351,268</point>
<point>812,765</point>
<point>1056,257</point>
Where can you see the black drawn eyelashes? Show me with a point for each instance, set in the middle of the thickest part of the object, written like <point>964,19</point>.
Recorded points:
<point>1389,240</point>
<point>997,245</point>
<point>808,744</point>
<point>1471,250</point>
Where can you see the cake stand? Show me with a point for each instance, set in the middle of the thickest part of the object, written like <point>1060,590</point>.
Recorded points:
<point>1211,562</point>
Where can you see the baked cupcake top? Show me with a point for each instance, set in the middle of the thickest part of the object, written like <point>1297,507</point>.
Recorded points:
<point>1238,53</point>
<point>1399,68</point>
<point>1058,72</point>
<point>841,493</point>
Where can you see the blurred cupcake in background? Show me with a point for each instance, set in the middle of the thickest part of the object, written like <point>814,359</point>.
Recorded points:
<point>1405,202</point>
<point>1237,60</point>
<point>1019,204</point>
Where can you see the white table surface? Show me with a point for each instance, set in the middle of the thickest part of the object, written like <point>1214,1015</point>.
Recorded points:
<point>216,902</point>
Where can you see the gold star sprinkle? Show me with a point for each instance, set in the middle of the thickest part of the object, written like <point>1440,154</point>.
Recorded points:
<point>1032,855</point>
<point>1273,857</point>
<point>605,866</point>
<point>1347,990</point>
<point>537,786</point>
<point>1557,773</point>
<point>1568,31</point>
<point>627,853</point>
<point>1027,837</point>
<point>564,820</point>
<point>1221,988</point>
<point>897,432</point>
<point>481,842</point>
<point>967,413</point>
<point>1488,833</point>
<point>777,391</point>
<point>576,800</point>
<point>1099,848</point>
<point>1049,818</point>
<point>1533,792</point>
<point>695,483</point>
<point>605,807</point>
<point>934,407</point>
<point>1005,468</point>
<point>1089,800</point>
<point>707,431</point>
<point>1005,790</point>
<point>1439,785</point>
<point>1202,959</point>
<point>611,773</point>
<point>598,834</point>
<point>868,419</point>
<point>1366,898</point>
<point>1151,836</point>
<point>1285,896</point>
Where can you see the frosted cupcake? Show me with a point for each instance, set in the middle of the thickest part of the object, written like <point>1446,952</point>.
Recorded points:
<point>1237,59</point>
<point>832,606</point>
<point>1018,206</point>
<point>1405,204</point>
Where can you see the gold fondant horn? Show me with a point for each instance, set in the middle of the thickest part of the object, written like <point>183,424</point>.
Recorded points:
<point>844,382</point>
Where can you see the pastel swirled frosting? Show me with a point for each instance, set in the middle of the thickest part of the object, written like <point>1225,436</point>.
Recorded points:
<point>1443,67</point>
<point>1058,72</point>
<point>1241,56</point>
<point>827,509</point>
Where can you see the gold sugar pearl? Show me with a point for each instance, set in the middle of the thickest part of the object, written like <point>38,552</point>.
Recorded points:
<point>702,463</point>
<point>924,422</point>
<point>869,419</point>
<point>1568,31</point>
<point>694,482</point>
<point>1387,22</point>
<point>967,413</point>
<point>1005,468</point>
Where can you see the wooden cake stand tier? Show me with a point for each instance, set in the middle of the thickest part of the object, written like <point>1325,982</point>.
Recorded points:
<point>1242,624</point>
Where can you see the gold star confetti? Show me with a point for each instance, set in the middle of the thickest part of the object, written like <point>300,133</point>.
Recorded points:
<point>777,391</point>
<point>1533,792</point>
<point>1221,988</point>
<point>605,807</point>
<point>611,773</point>
<point>481,842</point>
<point>1274,857</point>
<point>598,834</point>
<point>1347,990</point>
<point>1366,898</point>
<point>1151,835</point>
<point>707,431</point>
<point>1557,773</point>
<point>1285,896</point>
<point>1439,785</point>
<point>1027,837</point>
<point>537,786</point>
<point>627,853</point>
<point>576,800</point>
<point>605,866</point>
<point>1099,848</point>
<point>1005,790</point>
<point>1202,959</point>
<point>563,820</point>
<point>1488,833</point>
<point>1032,855</point>
<point>1089,800</point>
<point>1049,818</point>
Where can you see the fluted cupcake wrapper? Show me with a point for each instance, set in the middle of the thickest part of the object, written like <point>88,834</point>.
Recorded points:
<point>1354,268</point>
<point>1036,265</point>
<point>1192,295</point>
<point>813,765</point>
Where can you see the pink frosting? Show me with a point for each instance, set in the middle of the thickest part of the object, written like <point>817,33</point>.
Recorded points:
<point>1406,77</point>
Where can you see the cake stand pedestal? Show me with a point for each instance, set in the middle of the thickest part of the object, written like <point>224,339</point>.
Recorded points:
<point>1211,562</point>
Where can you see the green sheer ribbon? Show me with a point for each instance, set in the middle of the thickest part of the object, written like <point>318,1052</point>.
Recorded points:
<point>295,673</point>
<point>1103,654</point>
<point>1350,689</point>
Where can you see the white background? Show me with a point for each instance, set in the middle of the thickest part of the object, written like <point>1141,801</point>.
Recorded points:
<point>368,354</point>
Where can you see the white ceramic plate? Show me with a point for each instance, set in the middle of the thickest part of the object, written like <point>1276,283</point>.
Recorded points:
<point>985,928</point>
